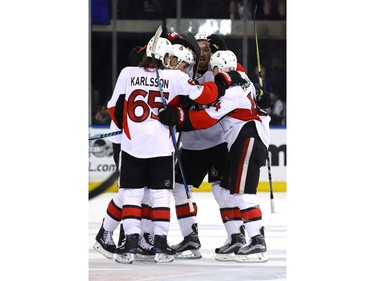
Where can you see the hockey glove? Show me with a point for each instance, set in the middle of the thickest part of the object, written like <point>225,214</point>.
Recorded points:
<point>172,116</point>
<point>263,100</point>
<point>216,43</point>
<point>225,79</point>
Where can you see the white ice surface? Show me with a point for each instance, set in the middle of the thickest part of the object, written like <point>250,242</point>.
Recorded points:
<point>211,233</point>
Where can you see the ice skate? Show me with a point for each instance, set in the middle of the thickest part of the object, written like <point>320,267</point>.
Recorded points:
<point>255,251</point>
<point>189,247</point>
<point>145,245</point>
<point>128,249</point>
<point>163,252</point>
<point>230,248</point>
<point>104,243</point>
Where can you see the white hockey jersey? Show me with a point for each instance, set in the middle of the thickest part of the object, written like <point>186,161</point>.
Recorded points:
<point>143,135</point>
<point>206,138</point>
<point>235,109</point>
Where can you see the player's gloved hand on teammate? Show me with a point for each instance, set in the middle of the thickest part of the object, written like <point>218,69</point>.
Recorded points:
<point>230,78</point>
<point>217,43</point>
<point>225,79</point>
<point>263,98</point>
<point>172,116</point>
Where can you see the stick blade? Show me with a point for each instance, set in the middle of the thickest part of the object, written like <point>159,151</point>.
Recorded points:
<point>196,49</point>
<point>156,38</point>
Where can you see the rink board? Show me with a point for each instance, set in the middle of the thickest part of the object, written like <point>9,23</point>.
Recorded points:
<point>102,166</point>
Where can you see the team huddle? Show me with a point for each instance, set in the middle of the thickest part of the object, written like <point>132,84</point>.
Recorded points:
<point>196,88</point>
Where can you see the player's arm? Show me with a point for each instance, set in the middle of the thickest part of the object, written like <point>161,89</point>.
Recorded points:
<point>209,92</point>
<point>188,120</point>
<point>115,105</point>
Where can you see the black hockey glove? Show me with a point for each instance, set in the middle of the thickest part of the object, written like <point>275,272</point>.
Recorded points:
<point>225,79</point>
<point>216,43</point>
<point>264,100</point>
<point>172,116</point>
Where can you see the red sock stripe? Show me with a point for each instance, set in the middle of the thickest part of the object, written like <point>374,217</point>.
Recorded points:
<point>113,211</point>
<point>230,214</point>
<point>146,212</point>
<point>161,214</point>
<point>183,211</point>
<point>251,214</point>
<point>131,212</point>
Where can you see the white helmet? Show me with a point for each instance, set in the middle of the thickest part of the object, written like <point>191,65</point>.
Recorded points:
<point>225,60</point>
<point>201,36</point>
<point>163,48</point>
<point>183,54</point>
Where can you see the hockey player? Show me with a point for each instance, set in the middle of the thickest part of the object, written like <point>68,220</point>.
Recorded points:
<point>246,130</point>
<point>146,146</point>
<point>104,243</point>
<point>204,152</point>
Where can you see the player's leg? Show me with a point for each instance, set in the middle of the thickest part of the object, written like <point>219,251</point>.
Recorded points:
<point>195,169</point>
<point>161,175</point>
<point>230,213</point>
<point>132,181</point>
<point>247,155</point>
<point>146,241</point>
<point>104,243</point>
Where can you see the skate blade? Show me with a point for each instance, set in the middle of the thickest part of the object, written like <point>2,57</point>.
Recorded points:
<point>145,258</point>
<point>257,257</point>
<point>225,257</point>
<point>163,258</point>
<point>124,258</point>
<point>189,254</point>
<point>97,247</point>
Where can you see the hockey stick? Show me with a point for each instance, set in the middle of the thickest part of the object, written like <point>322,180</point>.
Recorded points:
<point>104,186</point>
<point>197,51</point>
<point>261,93</point>
<point>105,135</point>
<point>156,38</point>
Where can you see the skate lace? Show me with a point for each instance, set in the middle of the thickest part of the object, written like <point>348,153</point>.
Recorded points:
<point>145,242</point>
<point>107,236</point>
<point>148,238</point>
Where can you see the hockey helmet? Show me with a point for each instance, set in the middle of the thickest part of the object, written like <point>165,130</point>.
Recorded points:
<point>163,50</point>
<point>183,54</point>
<point>225,61</point>
<point>201,36</point>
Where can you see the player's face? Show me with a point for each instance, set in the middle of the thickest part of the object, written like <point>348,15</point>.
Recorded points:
<point>184,67</point>
<point>205,54</point>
